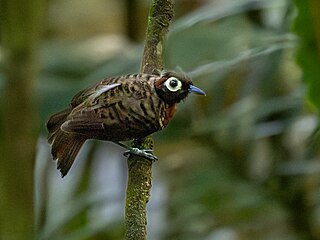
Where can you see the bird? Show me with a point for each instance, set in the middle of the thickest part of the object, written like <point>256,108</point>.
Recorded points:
<point>117,109</point>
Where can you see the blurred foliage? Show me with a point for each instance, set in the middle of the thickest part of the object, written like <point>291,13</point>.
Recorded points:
<point>20,36</point>
<point>307,27</point>
<point>233,165</point>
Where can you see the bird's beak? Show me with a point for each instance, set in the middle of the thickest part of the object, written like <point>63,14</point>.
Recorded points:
<point>195,90</point>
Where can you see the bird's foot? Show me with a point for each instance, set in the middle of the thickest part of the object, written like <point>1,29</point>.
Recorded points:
<point>146,153</point>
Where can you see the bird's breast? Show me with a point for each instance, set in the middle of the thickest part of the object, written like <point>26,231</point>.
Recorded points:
<point>166,115</point>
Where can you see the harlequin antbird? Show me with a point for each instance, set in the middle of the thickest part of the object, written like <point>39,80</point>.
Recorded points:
<point>117,109</point>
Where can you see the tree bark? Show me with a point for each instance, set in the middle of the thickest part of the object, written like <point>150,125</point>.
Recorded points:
<point>140,169</point>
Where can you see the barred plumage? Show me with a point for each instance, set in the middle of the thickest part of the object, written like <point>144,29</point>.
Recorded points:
<point>116,109</point>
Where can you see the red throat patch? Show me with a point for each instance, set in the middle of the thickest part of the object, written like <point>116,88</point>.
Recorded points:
<point>170,111</point>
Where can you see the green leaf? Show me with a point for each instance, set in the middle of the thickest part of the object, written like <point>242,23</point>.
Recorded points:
<point>307,27</point>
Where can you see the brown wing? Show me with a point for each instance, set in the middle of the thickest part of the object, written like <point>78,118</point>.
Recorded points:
<point>117,112</point>
<point>86,93</point>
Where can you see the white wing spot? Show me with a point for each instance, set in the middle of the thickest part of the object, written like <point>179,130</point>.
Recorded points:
<point>104,89</point>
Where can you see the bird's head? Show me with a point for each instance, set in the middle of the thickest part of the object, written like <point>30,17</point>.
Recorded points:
<point>173,87</point>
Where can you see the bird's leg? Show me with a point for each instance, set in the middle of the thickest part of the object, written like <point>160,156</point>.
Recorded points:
<point>146,153</point>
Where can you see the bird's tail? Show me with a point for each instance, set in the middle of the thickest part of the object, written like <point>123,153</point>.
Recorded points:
<point>64,146</point>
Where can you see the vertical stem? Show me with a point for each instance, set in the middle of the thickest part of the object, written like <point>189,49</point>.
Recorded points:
<point>20,32</point>
<point>139,168</point>
<point>160,16</point>
<point>137,197</point>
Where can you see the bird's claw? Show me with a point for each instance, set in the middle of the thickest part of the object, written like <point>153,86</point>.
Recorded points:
<point>146,153</point>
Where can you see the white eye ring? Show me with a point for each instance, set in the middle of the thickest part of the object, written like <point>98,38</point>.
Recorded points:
<point>173,84</point>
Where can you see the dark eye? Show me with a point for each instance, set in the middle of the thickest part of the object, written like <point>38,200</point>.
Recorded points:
<point>173,84</point>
